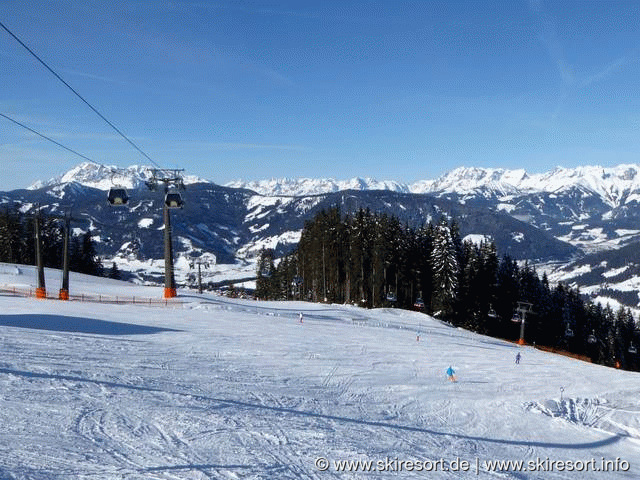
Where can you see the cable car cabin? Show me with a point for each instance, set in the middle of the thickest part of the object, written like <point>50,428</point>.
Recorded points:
<point>173,200</point>
<point>592,339</point>
<point>516,318</point>
<point>568,332</point>
<point>492,313</point>
<point>419,303</point>
<point>391,297</point>
<point>118,196</point>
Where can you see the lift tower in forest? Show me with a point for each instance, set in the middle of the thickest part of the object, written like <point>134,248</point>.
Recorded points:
<point>524,308</point>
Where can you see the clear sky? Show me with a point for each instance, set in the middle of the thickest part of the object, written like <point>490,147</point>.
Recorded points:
<point>392,90</point>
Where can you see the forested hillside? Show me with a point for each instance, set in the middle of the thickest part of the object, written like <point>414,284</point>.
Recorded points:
<point>374,260</point>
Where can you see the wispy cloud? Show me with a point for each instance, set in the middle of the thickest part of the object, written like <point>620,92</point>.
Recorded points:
<point>608,70</point>
<point>94,77</point>
<point>55,129</point>
<point>549,37</point>
<point>238,146</point>
<point>203,55</point>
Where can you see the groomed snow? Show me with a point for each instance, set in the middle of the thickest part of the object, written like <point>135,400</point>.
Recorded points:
<point>210,387</point>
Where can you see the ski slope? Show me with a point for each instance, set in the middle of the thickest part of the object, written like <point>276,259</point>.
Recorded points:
<point>210,387</point>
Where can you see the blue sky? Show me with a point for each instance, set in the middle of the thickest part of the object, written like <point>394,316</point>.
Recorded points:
<point>250,90</point>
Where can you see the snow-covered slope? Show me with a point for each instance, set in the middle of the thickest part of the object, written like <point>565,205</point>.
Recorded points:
<point>220,388</point>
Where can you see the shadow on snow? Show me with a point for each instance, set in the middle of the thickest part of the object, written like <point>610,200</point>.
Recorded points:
<point>225,403</point>
<point>60,323</point>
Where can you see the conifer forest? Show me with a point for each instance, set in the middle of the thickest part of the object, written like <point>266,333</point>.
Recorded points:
<point>373,260</point>
<point>17,243</point>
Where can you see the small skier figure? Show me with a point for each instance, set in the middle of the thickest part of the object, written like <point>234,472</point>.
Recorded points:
<point>300,316</point>
<point>418,337</point>
<point>451,374</point>
<point>518,357</point>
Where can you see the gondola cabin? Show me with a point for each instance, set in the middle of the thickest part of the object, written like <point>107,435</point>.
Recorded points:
<point>173,200</point>
<point>117,196</point>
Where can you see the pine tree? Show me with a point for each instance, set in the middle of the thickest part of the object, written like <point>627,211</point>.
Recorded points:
<point>52,242</point>
<point>87,258</point>
<point>114,272</point>
<point>445,270</point>
<point>10,231</point>
<point>265,271</point>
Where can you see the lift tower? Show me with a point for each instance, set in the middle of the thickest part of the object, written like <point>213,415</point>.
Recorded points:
<point>172,181</point>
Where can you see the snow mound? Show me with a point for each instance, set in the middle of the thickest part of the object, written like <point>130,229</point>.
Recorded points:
<point>592,412</point>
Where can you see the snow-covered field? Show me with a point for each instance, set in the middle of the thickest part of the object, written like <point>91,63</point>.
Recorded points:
<point>219,388</point>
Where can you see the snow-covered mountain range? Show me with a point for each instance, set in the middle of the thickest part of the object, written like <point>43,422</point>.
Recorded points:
<point>616,184</point>
<point>561,216</point>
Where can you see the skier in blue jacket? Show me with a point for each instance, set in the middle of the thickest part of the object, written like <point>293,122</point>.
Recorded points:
<point>451,374</point>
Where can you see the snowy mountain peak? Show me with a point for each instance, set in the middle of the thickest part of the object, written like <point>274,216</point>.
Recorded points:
<point>613,184</point>
<point>308,186</point>
<point>103,177</point>
<point>463,179</point>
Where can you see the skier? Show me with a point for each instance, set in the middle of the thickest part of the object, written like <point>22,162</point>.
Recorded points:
<point>518,358</point>
<point>451,374</point>
<point>300,316</point>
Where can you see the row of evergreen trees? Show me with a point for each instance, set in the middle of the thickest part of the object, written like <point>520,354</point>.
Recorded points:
<point>17,244</point>
<point>373,260</point>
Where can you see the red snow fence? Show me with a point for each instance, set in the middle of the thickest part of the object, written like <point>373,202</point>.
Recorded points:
<point>95,298</point>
